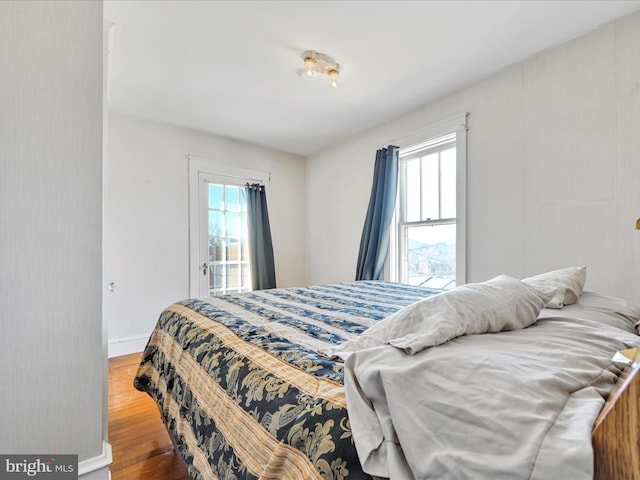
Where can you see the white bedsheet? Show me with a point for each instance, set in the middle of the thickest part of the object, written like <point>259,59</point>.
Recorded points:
<point>513,405</point>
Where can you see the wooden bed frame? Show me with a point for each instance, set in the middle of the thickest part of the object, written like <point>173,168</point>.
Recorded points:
<point>616,433</point>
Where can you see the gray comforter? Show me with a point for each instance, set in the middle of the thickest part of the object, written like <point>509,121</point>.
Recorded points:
<point>513,405</point>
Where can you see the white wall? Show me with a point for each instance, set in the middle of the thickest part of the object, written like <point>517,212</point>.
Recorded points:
<point>553,168</point>
<point>52,349</point>
<point>147,218</point>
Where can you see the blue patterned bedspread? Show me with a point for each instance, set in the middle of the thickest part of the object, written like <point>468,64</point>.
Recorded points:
<point>242,388</point>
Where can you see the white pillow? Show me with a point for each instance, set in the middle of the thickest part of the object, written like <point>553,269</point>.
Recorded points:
<point>502,303</point>
<point>566,285</point>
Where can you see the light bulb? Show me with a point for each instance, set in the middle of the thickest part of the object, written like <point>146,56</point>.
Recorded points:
<point>333,75</point>
<point>309,68</point>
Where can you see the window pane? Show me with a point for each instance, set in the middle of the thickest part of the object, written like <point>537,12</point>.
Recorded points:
<point>244,250</point>
<point>430,194</point>
<point>243,199</point>
<point>412,179</point>
<point>448,182</point>
<point>233,276</point>
<point>215,196</point>
<point>216,223</point>
<point>232,224</point>
<point>232,198</point>
<point>228,243</point>
<point>215,249</point>
<point>244,232</point>
<point>233,250</point>
<point>216,277</point>
<point>431,253</point>
<point>246,275</point>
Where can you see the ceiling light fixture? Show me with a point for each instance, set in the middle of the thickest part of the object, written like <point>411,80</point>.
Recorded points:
<point>315,62</point>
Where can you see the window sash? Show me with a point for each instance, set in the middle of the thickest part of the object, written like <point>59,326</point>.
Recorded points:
<point>404,185</point>
<point>414,259</point>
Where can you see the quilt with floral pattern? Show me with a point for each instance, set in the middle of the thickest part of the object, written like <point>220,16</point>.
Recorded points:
<point>242,388</point>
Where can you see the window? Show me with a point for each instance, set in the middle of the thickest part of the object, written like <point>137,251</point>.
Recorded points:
<point>228,239</point>
<point>429,243</point>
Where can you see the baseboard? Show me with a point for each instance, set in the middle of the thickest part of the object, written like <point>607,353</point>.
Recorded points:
<point>97,468</point>
<point>126,345</point>
<point>102,474</point>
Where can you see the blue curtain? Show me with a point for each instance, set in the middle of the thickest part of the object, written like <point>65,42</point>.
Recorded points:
<point>375,234</point>
<point>263,272</point>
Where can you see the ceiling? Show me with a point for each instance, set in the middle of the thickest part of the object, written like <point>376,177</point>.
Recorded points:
<point>231,67</point>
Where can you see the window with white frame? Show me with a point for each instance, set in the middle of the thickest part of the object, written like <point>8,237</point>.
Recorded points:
<point>429,242</point>
<point>228,239</point>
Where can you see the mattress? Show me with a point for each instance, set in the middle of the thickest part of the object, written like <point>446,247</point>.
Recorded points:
<point>242,388</point>
<point>245,391</point>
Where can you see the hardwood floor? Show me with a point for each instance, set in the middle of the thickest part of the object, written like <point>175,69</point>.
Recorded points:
<point>141,446</point>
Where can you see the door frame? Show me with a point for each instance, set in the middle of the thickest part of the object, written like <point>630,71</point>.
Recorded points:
<point>198,166</point>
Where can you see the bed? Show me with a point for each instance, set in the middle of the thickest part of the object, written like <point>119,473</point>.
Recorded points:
<point>253,385</point>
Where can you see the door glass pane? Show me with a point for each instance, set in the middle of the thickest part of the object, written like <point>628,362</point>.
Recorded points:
<point>233,252</point>
<point>228,242</point>
<point>431,254</point>
<point>216,223</point>
<point>232,224</point>
<point>244,250</point>
<point>448,182</point>
<point>215,249</point>
<point>232,198</point>
<point>244,231</point>
<point>412,201</point>
<point>215,196</point>
<point>216,277</point>
<point>430,193</point>
<point>233,276</point>
<point>246,275</point>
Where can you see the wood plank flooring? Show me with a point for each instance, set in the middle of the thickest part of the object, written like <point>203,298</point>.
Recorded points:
<point>141,446</point>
